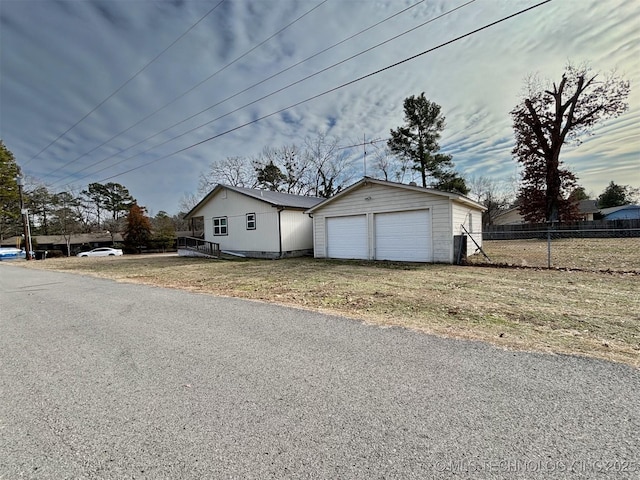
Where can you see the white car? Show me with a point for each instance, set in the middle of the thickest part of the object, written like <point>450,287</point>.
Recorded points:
<point>12,253</point>
<point>101,252</point>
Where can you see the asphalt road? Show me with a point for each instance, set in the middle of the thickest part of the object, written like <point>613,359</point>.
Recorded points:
<point>109,380</point>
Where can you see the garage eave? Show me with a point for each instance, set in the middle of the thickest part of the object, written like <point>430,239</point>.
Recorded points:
<point>367,181</point>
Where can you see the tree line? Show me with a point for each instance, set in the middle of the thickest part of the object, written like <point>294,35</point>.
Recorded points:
<point>108,207</point>
<point>549,116</point>
<point>319,167</point>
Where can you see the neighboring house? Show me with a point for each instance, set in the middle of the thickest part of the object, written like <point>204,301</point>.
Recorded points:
<point>509,217</point>
<point>586,211</point>
<point>77,241</point>
<point>623,212</point>
<point>256,223</point>
<point>381,220</point>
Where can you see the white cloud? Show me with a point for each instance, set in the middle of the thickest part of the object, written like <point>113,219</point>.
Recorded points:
<point>61,59</point>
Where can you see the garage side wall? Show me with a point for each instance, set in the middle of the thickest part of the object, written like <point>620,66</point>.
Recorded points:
<point>471,218</point>
<point>374,198</point>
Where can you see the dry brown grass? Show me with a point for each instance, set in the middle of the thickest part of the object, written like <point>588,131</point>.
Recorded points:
<point>620,254</point>
<point>594,314</point>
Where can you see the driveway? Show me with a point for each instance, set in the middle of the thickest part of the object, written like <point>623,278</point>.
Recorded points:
<point>100,379</point>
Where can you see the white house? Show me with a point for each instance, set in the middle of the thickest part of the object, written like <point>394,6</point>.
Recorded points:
<point>256,223</point>
<point>381,220</point>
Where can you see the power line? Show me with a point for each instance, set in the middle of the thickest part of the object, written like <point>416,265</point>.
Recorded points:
<point>264,96</point>
<point>220,102</point>
<point>125,83</point>
<point>190,89</point>
<point>408,59</point>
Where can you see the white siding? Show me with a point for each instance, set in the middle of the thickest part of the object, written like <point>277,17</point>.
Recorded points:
<point>471,218</point>
<point>235,206</point>
<point>297,231</point>
<point>375,198</point>
<point>295,226</point>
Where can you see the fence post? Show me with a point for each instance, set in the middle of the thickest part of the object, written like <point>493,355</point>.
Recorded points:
<point>549,248</point>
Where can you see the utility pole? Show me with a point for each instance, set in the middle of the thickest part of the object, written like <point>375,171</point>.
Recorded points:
<point>25,218</point>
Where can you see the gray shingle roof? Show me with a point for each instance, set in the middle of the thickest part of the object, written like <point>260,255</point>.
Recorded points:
<point>278,199</point>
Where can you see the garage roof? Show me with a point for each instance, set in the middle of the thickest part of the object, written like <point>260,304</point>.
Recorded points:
<point>368,180</point>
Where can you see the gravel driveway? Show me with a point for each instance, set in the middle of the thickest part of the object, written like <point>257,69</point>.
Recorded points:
<point>100,379</point>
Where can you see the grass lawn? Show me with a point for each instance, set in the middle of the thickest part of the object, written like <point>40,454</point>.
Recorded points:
<point>620,254</point>
<point>594,314</point>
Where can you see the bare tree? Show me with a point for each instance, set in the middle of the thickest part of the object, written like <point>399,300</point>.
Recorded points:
<point>113,226</point>
<point>383,161</point>
<point>292,167</point>
<point>65,221</point>
<point>490,193</point>
<point>331,168</point>
<point>188,201</point>
<point>234,171</point>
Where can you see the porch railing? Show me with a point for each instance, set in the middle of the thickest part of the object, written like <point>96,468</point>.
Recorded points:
<point>199,245</point>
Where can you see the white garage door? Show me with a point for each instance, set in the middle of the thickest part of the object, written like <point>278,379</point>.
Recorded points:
<point>403,236</point>
<point>347,237</point>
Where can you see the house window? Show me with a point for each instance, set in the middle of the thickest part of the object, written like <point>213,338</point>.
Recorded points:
<point>220,226</point>
<point>251,221</point>
<point>470,223</point>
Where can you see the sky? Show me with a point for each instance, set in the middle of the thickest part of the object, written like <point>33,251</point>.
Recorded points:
<point>112,90</point>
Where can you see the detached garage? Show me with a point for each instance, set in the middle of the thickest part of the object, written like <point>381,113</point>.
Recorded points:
<point>380,220</point>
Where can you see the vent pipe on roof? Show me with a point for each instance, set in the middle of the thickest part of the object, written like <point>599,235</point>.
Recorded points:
<point>413,184</point>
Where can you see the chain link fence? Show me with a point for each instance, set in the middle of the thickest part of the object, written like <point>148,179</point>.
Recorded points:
<point>595,249</point>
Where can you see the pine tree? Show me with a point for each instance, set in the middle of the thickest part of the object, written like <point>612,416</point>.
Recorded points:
<point>9,195</point>
<point>417,140</point>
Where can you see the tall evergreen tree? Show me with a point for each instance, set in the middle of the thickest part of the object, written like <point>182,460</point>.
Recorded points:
<point>164,231</point>
<point>616,195</point>
<point>417,140</point>
<point>41,204</point>
<point>9,195</point>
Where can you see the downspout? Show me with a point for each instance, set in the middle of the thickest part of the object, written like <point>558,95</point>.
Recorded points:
<point>280,231</point>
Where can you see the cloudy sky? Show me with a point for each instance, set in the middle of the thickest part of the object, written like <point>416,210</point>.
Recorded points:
<point>97,91</point>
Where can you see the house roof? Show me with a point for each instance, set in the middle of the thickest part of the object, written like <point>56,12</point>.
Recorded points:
<point>609,210</point>
<point>584,207</point>
<point>588,206</point>
<point>510,216</point>
<point>368,180</point>
<point>621,212</point>
<point>75,239</point>
<point>275,199</point>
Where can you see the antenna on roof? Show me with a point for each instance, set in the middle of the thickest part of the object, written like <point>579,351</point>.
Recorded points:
<point>364,149</point>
